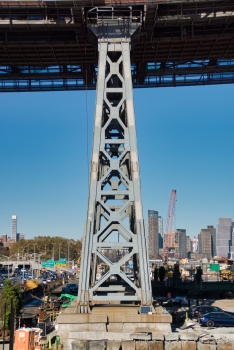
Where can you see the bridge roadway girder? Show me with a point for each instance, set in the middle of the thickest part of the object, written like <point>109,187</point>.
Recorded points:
<point>55,34</point>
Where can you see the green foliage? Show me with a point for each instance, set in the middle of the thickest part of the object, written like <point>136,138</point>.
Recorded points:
<point>162,273</point>
<point>4,251</point>
<point>107,268</point>
<point>45,244</point>
<point>156,273</point>
<point>10,292</point>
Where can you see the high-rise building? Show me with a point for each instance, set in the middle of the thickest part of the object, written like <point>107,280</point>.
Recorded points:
<point>203,248</point>
<point>181,240</point>
<point>205,243</point>
<point>189,246</point>
<point>224,232</point>
<point>14,227</point>
<point>21,236</point>
<point>153,233</point>
<point>160,241</point>
<point>160,226</point>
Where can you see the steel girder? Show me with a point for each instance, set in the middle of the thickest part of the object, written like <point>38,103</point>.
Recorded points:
<point>114,178</point>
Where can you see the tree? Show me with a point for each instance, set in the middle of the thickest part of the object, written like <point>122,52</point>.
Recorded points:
<point>8,293</point>
<point>162,273</point>
<point>156,273</point>
<point>44,245</point>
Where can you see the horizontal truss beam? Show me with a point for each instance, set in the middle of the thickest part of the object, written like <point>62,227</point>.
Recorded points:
<point>24,79</point>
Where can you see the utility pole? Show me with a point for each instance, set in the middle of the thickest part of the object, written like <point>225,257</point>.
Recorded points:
<point>34,250</point>
<point>59,249</point>
<point>53,250</point>
<point>28,250</point>
<point>68,254</point>
<point>45,248</point>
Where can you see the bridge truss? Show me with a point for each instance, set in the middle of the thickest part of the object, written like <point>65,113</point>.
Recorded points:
<point>48,46</point>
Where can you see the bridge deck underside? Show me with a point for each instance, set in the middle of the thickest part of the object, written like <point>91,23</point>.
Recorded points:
<point>53,34</point>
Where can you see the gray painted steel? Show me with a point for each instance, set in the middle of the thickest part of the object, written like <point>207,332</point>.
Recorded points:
<point>114,205</point>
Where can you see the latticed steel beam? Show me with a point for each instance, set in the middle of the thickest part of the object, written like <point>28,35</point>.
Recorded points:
<point>114,206</point>
<point>162,74</point>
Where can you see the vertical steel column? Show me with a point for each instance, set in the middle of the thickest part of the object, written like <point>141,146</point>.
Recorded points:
<point>114,207</point>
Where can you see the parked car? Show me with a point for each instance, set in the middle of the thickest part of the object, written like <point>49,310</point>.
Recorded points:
<point>177,302</point>
<point>205,309</point>
<point>215,319</point>
<point>70,288</point>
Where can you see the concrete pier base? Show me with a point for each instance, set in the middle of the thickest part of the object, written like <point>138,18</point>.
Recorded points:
<point>110,322</point>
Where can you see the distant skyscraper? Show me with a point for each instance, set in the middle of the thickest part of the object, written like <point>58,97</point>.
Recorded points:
<point>204,241</point>
<point>14,227</point>
<point>194,244</point>
<point>181,240</point>
<point>225,242</point>
<point>153,233</point>
<point>21,236</point>
<point>160,232</point>
<point>160,226</point>
<point>189,245</point>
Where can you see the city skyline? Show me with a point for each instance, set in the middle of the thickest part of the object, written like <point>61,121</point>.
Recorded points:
<point>182,145</point>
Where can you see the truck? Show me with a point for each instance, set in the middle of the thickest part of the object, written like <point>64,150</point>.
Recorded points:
<point>228,273</point>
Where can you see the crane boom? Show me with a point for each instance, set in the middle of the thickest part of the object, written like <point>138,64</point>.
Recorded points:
<point>170,216</point>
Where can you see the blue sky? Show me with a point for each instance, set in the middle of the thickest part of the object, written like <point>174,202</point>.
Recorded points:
<point>185,142</point>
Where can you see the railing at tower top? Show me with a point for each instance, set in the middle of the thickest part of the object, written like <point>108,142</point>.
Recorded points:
<point>107,15</point>
<point>114,23</point>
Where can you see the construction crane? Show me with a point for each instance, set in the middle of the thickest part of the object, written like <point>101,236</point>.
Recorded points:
<point>168,233</point>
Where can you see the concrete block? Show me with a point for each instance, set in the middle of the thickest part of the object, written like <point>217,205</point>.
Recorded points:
<point>128,345</point>
<point>97,336</point>
<point>79,327</point>
<point>113,345</point>
<point>97,345</point>
<point>151,327</point>
<point>141,336</point>
<point>79,345</point>
<point>225,345</point>
<point>157,336</point>
<point>159,310</point>
<point>146,318</point>
<point>188,336</point>
<point>155,345</point>
<point>81,318</point>
<point>142,345</point>
<point>188,345</point>
<point>171,336</point>
<point>115,327</point>
<point>201,346</point>
<point>172,345</point>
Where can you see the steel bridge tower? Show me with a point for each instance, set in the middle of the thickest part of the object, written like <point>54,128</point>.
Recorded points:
<point>114,204</point>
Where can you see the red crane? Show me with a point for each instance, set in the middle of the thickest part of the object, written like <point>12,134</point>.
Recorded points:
<point>170,216</point>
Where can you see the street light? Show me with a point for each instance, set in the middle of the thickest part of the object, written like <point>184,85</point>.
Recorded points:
<point>39,255</point>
